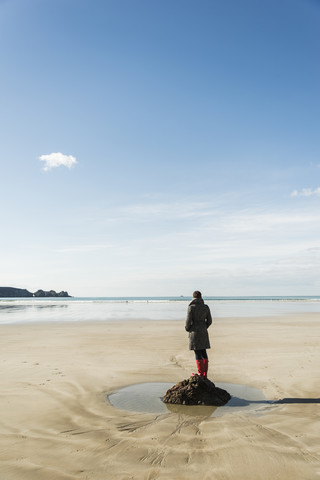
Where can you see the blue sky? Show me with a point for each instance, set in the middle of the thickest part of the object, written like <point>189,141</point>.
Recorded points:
<point>188,135</point>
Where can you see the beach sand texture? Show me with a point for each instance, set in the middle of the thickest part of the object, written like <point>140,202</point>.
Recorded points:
<point>56,423</point>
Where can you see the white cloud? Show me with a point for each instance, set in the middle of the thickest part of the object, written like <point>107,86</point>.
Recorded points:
<point>56,160</point>
<point>306,192</point>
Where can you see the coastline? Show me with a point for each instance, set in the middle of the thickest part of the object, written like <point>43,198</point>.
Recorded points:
<point>56,422</point>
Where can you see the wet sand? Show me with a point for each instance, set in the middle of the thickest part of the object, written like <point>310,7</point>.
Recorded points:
<point>56,423</point>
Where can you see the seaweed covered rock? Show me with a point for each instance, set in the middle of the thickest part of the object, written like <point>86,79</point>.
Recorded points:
<point>196,390</point>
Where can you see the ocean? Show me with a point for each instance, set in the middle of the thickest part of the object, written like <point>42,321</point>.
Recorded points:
<point>77,309</point>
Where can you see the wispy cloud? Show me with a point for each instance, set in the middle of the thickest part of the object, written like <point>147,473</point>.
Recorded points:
<point>263,221</point>
<point>306,192</point>
<point>219,247</point>
<point>84,248</point>
<point>54,160</point>
<point>173,210</point>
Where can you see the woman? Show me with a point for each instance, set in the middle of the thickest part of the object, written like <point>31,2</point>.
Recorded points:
<point>197,324</point>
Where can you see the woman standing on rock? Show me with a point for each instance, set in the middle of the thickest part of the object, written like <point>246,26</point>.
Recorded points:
<point>197,324</point>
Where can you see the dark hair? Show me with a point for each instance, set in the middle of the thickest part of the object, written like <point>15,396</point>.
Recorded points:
<point>197,294</point>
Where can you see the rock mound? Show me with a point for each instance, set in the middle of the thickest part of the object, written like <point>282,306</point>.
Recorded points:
<point>197,391</point>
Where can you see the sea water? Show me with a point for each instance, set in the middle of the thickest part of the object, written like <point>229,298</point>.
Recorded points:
<point>76,309</point>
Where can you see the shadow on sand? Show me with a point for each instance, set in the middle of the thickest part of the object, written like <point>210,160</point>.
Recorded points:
<point>296,400</point>
<point>241,402</point>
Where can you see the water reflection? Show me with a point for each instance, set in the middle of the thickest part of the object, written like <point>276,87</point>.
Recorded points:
<point>192,410</point>
<point>32,312</point>
<point>147,398</point>
<point>15,308</point>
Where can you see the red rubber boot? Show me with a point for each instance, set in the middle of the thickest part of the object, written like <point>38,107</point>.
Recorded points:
<point>200,367</point>
<point>205,367</point>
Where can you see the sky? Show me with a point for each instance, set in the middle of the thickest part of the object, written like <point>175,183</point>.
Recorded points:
<point>156,147</point>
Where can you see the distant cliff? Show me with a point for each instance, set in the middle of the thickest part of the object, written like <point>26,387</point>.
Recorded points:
<point>51,293</point>
<point>14,292</point>
<point>21,292</point>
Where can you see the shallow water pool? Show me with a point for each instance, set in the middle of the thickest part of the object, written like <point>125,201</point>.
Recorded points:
<point>147,398</point>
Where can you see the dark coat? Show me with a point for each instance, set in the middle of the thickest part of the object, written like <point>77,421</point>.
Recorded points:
<point>197,324</point>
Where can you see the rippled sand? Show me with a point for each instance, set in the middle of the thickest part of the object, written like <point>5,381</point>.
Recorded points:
<point>56,423</point>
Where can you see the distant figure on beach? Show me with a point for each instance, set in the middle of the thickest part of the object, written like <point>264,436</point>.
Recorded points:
<point>198,321</point>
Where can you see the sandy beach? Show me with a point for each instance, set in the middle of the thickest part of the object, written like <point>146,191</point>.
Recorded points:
<point>57,424</point>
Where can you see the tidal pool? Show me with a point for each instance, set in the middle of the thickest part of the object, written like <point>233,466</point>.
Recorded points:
<point>147,398</point>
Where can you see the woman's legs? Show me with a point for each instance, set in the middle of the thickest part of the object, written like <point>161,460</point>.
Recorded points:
<point>201,354</point>
<point>202,362</point>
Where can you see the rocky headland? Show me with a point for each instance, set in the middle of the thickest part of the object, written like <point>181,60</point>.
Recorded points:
<point>50,293</point>
<point>11,292</point>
